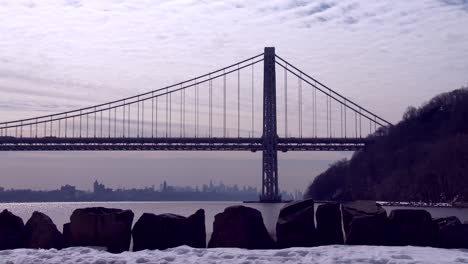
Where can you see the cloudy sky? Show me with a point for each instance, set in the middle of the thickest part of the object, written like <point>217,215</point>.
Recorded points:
<point>58,55</point>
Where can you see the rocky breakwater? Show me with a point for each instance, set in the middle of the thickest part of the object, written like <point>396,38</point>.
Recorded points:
<point>298,225</point>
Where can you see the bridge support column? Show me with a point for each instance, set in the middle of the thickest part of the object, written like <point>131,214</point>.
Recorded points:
<point>270,191</point>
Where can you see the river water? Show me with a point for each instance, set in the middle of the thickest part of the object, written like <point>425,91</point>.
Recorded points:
<point>60,212</point>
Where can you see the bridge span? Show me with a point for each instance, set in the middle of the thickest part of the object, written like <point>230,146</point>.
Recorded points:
<point>176,118</point>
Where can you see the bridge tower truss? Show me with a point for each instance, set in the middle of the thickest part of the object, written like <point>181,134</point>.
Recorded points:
<point>270,192</point>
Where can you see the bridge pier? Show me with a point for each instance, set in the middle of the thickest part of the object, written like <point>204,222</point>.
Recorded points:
<point>270,191</point>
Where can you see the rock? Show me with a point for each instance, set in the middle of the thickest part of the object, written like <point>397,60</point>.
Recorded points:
<point>411,227</point>
<point>41,232</point>
<point>66,235</point>
<point>364,222</point>
<point>11,229</point>
<point>196,229</point>
<point>169,230</point>
<point>241,227</point>
<point>295,226</point>
<point>452,233</point>
<point>329,229</point>
<point>98,226</point>
<point>446,221</point>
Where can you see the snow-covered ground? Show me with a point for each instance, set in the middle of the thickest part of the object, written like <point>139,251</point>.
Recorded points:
<point>187,255</point>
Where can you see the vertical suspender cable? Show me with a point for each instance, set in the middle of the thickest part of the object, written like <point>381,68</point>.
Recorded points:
<point>152,114</point>
<point>238,101</point>
<point>326,99</point>
<point>170,114</point>
<point>345,134</point>
<point>224,104</point>
<point>183,115</point>
<point>299,85</point>
<point>115,122</point>
<point>81,118</point>
<point>330,107</point>
<point>123,119</point>
<point>315,112</point>
<point>355,124</point>
<point>167,111</point>
<point>196,108</point>
<point>286,101</point>
<point>143,118</point>
<point>156,117</point>
<point>341,120</point>
<point>253,101</point>
<point>109,131</point>
<point>101,123</point>
<point>360,123</point>
<point>74,124</point>
<point>95,114</point>
<point>181,108</point>
<point>128,120</point>
<point>138,116</point>
<point>210,117</point>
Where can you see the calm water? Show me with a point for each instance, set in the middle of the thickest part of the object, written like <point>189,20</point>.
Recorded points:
<point>60,212</point>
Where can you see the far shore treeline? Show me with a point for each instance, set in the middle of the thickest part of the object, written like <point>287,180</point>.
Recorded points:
<point>422,158</point>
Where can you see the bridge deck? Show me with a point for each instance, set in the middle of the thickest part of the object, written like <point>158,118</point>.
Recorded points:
<point>177,144</point>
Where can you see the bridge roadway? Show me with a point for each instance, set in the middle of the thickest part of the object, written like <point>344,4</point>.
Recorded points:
<point>177,144</point>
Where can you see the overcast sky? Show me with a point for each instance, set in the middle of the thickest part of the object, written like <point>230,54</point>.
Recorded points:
<point>59,55</point>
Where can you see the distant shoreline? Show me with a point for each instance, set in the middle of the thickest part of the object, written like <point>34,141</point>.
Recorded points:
<point>409,204</point>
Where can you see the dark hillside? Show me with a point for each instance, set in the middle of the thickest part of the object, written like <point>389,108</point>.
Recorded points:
<point>422,158</point>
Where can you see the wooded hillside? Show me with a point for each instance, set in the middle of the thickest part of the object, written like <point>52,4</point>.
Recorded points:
<point>422,158</point>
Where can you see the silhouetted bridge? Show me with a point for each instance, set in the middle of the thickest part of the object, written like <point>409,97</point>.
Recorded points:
<point>176,118</point>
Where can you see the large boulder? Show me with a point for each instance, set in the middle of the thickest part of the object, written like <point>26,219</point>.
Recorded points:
<point>41,232</point>
<point>452,233</point>
<point>329,229</point>
<point>364,222</point>
<point>411,227</point>
<point>295,226</point>
<point>98,226</point>
<point>11,229</point>
<point>169,230</point>
<point>241,227</point>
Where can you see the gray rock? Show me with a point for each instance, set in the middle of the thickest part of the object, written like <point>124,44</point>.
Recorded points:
<point>169,230</point>
<point>41,232</point>
<point>295,226</point>
<point>452,233</point>
<point>98,226</point>
<point>411,227</point>
<point>241,227</point>
<point>11,229</point>
<point>329,229</point>
<point>364,222</point>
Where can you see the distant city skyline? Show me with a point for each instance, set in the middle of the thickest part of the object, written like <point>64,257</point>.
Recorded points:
<point>59,55</point>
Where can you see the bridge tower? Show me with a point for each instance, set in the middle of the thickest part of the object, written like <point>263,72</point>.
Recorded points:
<point>270,192</point>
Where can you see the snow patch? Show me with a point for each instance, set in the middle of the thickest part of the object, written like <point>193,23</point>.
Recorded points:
<point>187,255</point>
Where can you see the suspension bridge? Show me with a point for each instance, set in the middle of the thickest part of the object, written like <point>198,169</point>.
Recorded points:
<point>225,118</point>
